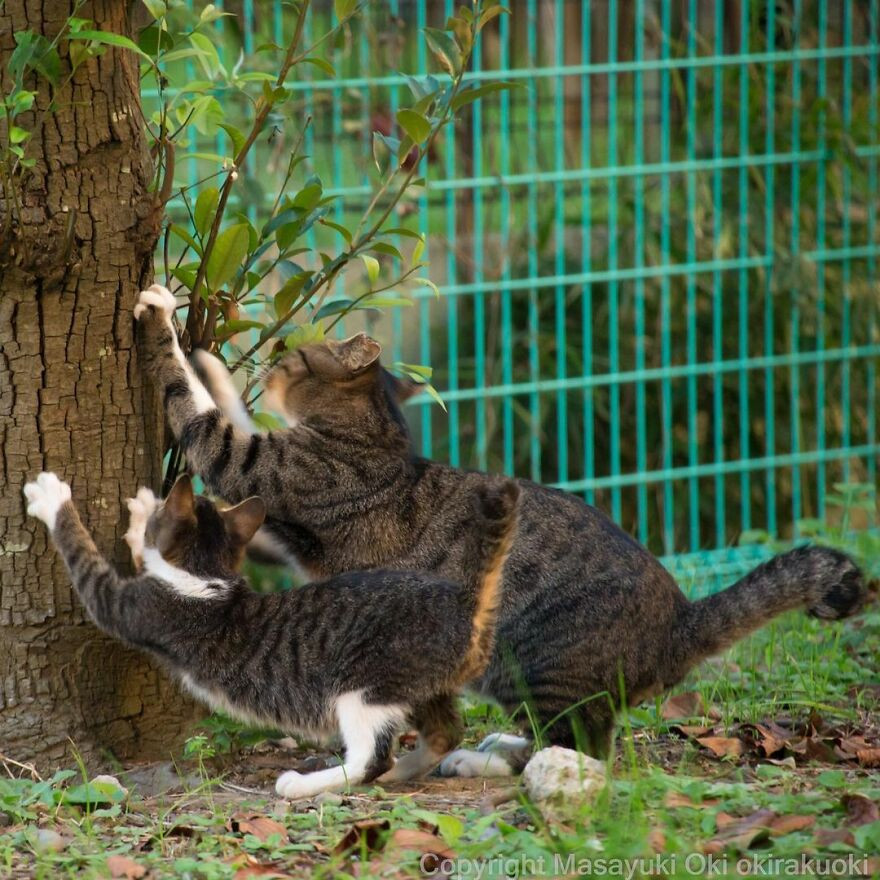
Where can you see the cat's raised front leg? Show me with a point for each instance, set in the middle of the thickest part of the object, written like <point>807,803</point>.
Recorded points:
<point>154,312</point>
<point>367,732</point>
<point>140,509</point>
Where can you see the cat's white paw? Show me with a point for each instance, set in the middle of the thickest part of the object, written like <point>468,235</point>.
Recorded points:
<point>293,785</point>
<point>140,509</point>
<point>156,297</point>
<point>503,742</point>
<point>45,497</point>
<point>463,762</point>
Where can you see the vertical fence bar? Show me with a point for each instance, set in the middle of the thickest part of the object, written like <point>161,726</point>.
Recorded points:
<point>743,277</point>
<point>424,310</point>
<point>693,448</point>
<point>639,157</point>
<point>532,226</point>
<point>559,235</point>
<point>477,249</point>
<point>874,88</point>
<point>452,302</point>
<point>717,290</point>
<point>821,407</point>
<point>665,285</point>
<point>613,291</point>
<point>769,207</point>
<point>506,296</point>
<point>846,333</point>
<point>795,248</point>
<point>586,254</point>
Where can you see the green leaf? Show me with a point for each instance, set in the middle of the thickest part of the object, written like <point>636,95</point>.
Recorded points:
<point>92,793</point>
<point>418,249</point>
<point>426,282</point>
<point>468,96</point>
<point>345,233</point>
<point>34,52</point>
<point>322,64</point>
<point>239,325</point>
<point>372,265</point>
<point>383,301</point>
<point>308,196</point>
<point>207,55</point>
<point>156,8</point>
<point>383,247</point>
<point>154,40</point>
<point>416,371</point>
<point>414,124</point>
<point>236,135</point>
<point>206,207</point>
<point>268,421</point>
<point>290,290</point>
<point>402,230</point>
<point>186,274</point>
<point>445,50</point>
<point>344,8</point>
<point>210,13</point>
<point>184,235</point>
<point>107,38</point>
<point>18,135</point>
<point>489,14</point>
<point>303,335</point>
<point>229,251</point>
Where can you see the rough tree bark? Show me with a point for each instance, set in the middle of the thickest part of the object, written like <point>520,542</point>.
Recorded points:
<point>72,400</point>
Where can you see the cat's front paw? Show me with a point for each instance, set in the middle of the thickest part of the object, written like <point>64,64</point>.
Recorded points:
<point>293,785</point>
<point>140,509</point>
<point>155,301</point>
<point>46,496</point>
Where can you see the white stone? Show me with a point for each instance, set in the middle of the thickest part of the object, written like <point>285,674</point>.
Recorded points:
<point>110,782</point>
<point>560,782</point>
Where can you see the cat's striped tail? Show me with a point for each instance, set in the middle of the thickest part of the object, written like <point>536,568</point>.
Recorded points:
<point>497,507</point>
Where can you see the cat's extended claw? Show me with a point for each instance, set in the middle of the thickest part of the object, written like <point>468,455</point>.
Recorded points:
<point>45,497</point>
<point>156,297</point>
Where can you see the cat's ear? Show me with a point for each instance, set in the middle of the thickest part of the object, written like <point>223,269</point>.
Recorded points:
<point>358,352</point>
<point>180,501</point>
<point>403,388</point>
<point>243,520</point>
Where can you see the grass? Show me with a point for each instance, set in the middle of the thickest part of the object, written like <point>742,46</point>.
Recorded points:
<point>669,802</point>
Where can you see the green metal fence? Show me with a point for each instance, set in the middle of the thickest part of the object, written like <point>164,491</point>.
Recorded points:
<point>658,260</point>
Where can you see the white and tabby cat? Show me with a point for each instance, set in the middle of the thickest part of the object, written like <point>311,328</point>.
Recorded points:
<point>361,653</point>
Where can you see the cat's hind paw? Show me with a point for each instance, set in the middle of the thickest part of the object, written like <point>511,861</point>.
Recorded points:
<point>156,300</point>
<point>140,509</point>
<point>45,496</point>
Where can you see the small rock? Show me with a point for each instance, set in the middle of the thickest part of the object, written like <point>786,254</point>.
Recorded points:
<point>330,798</point>
<point>5,819</point>
<point>111,782</point>
<point>48,840</point>
<point>561,781</point>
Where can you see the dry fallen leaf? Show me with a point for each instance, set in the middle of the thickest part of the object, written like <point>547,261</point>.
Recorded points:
<point>859,810</point>
<point>827,836</point>
<point>675,799</point>
<point>788,824</point>
<point>432,848</point>
<point>869,757</point>
<point>723,746</point>
<point>266,871</point>
<point>124,868</point>
<point>740,832</point>
<point>365,834</point>
<point>689,705</point>
<point>262,827</point>
<point>657,840</point>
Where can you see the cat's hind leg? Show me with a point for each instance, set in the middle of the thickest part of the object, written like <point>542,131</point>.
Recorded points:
<point>499,754</point>
<point>368,731</point>
<point>440,730</point>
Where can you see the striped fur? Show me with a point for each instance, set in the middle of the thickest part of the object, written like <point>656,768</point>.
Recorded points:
<point>584,607</point>
<point>359,653</point>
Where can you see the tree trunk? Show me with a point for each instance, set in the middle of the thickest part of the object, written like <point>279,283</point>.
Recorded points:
<point>73,401</point>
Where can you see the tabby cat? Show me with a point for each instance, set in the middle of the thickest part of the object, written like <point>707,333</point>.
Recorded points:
<point>363,653</point>
<point>585,608</point>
